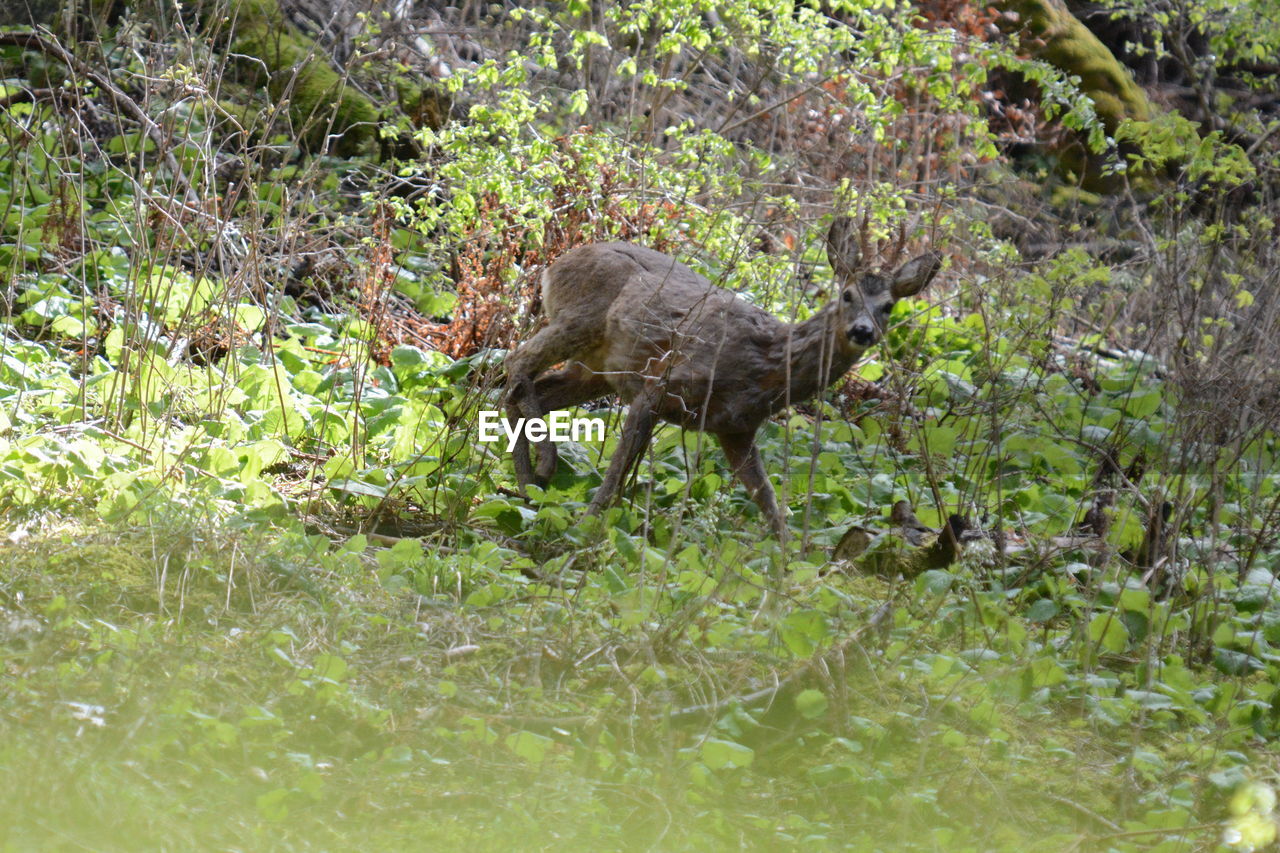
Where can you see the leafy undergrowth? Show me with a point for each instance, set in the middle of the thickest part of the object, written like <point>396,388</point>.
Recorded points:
<point>179,682</point>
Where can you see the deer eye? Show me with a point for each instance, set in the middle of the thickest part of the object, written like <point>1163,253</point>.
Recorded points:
<point>886,309</point>
<point>848,296</point>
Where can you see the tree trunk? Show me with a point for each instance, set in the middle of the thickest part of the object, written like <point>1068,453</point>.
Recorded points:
<point>1051,33</point>
<point>323,109</point>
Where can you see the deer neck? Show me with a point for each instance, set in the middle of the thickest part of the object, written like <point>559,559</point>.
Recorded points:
<point>814,355</point>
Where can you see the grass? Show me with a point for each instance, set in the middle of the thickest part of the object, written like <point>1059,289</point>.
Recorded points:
<point>176,685</point>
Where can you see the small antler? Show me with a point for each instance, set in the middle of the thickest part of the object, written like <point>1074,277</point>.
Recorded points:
<point>844,247</point>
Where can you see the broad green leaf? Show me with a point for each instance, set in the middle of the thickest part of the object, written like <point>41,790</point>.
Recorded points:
<point>720,754</point>
<point>330,667</point>
<point>272,805</point>
<point>1046,672</point>
<point>530,746</point>
<point>1108,632</point>
<point>1043,610</point>
<point>803,631</point>
<point>811,704</point>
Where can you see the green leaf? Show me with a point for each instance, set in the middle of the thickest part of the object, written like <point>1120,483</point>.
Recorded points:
<point>1045,672</point>
<point>530,746</point>
<point>1141,404</point>
<point>1149,699</point>
<point>1108,632</point>
<point>1231,662</point>
<point>250,317</point>
<point>1135,598</point>
<point>358,487</point>
<point>272,805</point>
<point>1043,610</point>
<point>811,704</point>
<point>330,667</point>
<point>407,356</point>
<point>720,754</point>
<point>803,631</point>
<point>935,582</point>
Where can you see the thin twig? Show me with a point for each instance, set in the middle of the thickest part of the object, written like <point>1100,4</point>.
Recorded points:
<point>48,44</point>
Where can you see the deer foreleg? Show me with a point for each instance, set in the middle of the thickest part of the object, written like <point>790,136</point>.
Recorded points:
<point>636,431</point>
<point>572,386</point>
<point>744,461</point>
<point>520,452</point>
<point>554,343</point>
<point>522,402</point>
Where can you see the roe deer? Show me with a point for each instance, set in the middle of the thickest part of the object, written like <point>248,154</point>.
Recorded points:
<point>638,323</point>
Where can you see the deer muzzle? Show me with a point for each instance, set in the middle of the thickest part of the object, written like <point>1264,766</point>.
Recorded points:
<point>863,332</point>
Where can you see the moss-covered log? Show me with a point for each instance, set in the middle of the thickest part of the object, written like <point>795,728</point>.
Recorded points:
<point>319,102</point>
<point>1053,34</point>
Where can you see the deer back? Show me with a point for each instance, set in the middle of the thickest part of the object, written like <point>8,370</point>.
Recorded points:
<point>647,318</point>
<point>641,318</point>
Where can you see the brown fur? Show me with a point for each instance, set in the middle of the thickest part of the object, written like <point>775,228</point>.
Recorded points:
<point>632,321</point>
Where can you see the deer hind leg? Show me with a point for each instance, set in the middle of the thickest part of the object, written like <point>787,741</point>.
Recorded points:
<point>636,431</point>
<point>744,461</point>
<point>554,343</point>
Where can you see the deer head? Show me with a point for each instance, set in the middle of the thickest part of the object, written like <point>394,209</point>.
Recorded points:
<point>866,297</point>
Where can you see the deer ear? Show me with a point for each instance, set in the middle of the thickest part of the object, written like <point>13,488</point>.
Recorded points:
<point>843,247</point>
<point>915,275</point>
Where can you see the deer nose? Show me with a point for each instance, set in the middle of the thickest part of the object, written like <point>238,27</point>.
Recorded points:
<point>862,333</point>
